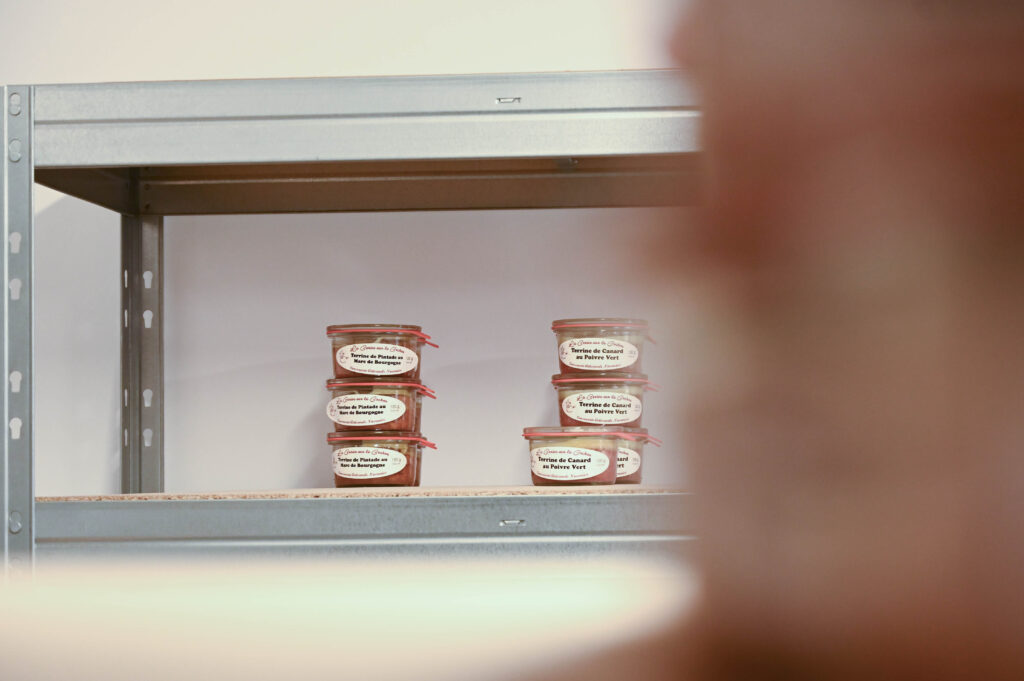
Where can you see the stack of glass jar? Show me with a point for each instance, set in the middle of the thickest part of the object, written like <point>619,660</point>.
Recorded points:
<point>600,406</point>
<point>376,400</point>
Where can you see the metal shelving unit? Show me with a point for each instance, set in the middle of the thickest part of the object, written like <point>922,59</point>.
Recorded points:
<point>148,150</point>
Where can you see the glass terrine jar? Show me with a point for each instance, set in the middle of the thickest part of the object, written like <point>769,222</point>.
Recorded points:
<point>376,402</point>
<point>377,458</point>
<point>605,398</point>
<point>377,350</point>
<point>600,344</point>
<point>573,455</point>
<point>629,469</point>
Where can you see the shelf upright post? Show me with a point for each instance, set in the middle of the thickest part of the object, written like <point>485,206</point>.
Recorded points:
<point>17,492</point>
<point>142,353</point>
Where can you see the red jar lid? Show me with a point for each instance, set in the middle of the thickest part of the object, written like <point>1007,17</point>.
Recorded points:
<point>398,329</point>
<point>402,436</point>
<point>642,434</point>
<point>374,381</point>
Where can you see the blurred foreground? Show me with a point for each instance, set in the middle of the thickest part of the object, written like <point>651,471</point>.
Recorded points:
<point>341,619</point>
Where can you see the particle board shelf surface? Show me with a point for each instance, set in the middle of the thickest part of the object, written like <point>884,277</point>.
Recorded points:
<point>376,493</point>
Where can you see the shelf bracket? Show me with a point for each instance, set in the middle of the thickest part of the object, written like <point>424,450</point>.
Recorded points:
<point>17,493</point>
<point>142,354</point>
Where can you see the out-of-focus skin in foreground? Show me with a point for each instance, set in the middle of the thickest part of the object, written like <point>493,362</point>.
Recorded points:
<point>856,419</point>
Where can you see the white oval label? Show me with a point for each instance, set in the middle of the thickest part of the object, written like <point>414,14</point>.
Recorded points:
<point>367,462</point>
<point>376,359</point>
<point>629,462</point>
<point>363,409</point>
<point>597,354</point>
<point>602,407</point>
<point>567,463</point>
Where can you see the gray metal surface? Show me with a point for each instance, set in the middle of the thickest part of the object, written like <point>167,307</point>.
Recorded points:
<point>359,119</point>
<point>654,523</point>
<point>624,138</point>
<point>596,548</point>
<point>16,477</point>
<point>142,373</point>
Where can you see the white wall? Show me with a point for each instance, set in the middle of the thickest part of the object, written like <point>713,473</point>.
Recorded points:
<point>245,409</point>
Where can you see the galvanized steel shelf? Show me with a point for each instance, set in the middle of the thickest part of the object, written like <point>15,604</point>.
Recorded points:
<point>393,522</point>
<point>147,150</point>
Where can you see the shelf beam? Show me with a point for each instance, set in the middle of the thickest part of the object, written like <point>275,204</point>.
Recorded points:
<point>554,140</point>
<point>506,525</point>
<point>547,115</point>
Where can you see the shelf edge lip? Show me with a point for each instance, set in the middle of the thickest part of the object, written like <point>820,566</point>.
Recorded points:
<point>414,139</point>
<point>664,70</point>
<point>684,111</point>
<point>567,90</point>
<point>653,537</point>
<point>277,497</point>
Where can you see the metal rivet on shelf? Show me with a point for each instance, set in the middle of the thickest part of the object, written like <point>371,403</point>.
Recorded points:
<point>14,150</point>
<point>14,522</point>
<point>14,103</point>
